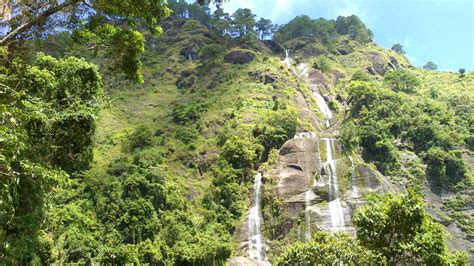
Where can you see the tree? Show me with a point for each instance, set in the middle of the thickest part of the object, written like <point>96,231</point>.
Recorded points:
<point>402,80</point>
<point>398,48</point>
<point>398,227</point>
<point>264,28</point>
<point>327,249</point>
<point>239,152</point>
<point>111,29</point>
<point>430,66</point>
<point>49,111</point>
<point>353,27</point>
<point>221,22</point>
<point>461,72</point>
<point>244,22</point>
<point>212,52</point>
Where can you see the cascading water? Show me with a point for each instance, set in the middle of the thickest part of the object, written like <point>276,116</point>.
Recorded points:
<point>287,58</point>
<point>255,236</point>
<point>335,207</point>
<point>323,107</point>
<point>307,215</point>
<point>355,189</point>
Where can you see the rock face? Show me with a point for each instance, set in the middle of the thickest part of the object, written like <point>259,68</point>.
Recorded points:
<point>304,113</point>
<point>239,57</point>
<point>316,77</point>
<point>380,66</point>
<point>305,182</point>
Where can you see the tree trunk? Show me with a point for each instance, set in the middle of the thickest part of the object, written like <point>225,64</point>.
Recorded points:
<point>10,37</point>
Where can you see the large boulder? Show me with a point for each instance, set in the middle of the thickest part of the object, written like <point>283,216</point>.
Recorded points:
<point>239,57</point>
<point>316,77</point>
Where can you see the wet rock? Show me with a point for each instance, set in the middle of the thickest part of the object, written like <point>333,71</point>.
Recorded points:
<point>239,57</point>
<point>316,77</point>
<point>298,161</point>
<point>305,114</point>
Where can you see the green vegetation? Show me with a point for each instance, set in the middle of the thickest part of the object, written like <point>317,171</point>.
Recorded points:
<point>381,118</point>
<point>324,30</point>
<point>328,249</point>
<point>398,227</point>
<point>390,229</point>
<point>430,66</point>
<point>144,151</point>
<point>398,48</point>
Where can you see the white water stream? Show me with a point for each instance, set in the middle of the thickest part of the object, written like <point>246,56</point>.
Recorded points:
<point>355,189</point>
<point>255,236</point>
<point>335,207</point>
<point>323,107</point>
<point>307,215</point>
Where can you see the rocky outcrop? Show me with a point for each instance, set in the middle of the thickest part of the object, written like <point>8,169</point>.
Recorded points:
<point>305,114</point>
<point>239,57</point>
<point>380,65</point>
<point>316,77</point>
<point>301,166</point>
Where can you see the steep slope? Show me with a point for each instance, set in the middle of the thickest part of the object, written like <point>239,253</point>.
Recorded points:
<point>175,171</point>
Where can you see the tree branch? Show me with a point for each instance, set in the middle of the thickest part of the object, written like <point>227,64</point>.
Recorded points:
<point>35,20</point>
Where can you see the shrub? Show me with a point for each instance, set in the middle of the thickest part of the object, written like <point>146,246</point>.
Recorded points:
<point>402,80</point>
<point>141,137</point>
<point>187,113</point>
<point>278,127</point>
<point>239,152</point>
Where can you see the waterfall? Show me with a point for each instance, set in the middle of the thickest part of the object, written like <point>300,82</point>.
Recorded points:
<point>287,58</point>
<point>323,107</point>
<point>335,207</point>
<point>307,214</point>
<point>255,236</point>
<point>355,189</point>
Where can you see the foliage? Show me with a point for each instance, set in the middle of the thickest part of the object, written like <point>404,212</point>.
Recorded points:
<point>402,80</point>
<point>279,126</point>
<point>444,168</point>
<point>353,27</point>
<point>211,52</point>
<point>49,111</point>
<point>303,26</point>
<point>264,28</point>
<point>122,43</point>
<point>140,137</point>
<point>239,152</point>
<point>327,249</point>
<point>243,22</point>
<point>398,48</point>
<point>430,66</point>
<point>322,63</point>
<point>183,114</point>
<point>398,227</point>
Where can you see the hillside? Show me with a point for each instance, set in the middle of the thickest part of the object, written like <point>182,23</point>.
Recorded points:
<point>242,150</point>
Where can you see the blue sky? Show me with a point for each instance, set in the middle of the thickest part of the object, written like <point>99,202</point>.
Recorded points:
<point>438,30</point>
